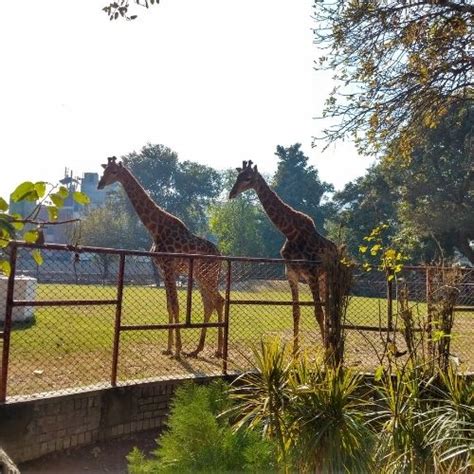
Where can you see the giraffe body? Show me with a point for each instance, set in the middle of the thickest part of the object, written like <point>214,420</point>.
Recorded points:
<point>303,242</point>
<point>170,235</point>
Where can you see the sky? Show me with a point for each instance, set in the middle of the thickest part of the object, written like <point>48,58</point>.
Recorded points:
<point>218,81</point>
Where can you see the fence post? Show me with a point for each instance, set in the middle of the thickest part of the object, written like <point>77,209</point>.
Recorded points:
<point>189,296</point>
<point>389,305</point>
<point>226,318</point>
<point>429,308</point>
<point>7,324</point>
<point>118,320</point>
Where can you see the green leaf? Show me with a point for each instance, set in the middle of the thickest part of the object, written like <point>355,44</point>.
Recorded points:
<point>438,335</point>
<point>363,248</point>
<point>40,188</point>
<point>4,242</point>
<point>3,204</point>
<point>31,236</point>
<point>62,192</point>
<point>81,198</point>
<point>390,254</point>
<point>5,267</point>
<point>31,196</point>
<point>57,200</point>
<point>22,190</point>
<point>53,213</point>
<point>38,258</point>
<point>17,225</point>
<point>375,249</point>
<point>390,277</point>
<point>6,226</point>
<point>378,374</point>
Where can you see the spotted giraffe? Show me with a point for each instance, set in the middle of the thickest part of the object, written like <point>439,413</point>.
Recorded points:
<point>303,242</point>
<point>170,235</point>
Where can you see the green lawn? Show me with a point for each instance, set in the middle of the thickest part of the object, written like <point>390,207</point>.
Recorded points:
<point>70,346</point>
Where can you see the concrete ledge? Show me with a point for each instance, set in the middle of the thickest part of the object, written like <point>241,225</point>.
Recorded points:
<point>32,428</point>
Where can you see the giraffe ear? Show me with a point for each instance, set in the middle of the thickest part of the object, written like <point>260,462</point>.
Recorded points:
<point>255,169</point>
<point>239,169</point>
<point>104,166</point>
<point>120,164</point>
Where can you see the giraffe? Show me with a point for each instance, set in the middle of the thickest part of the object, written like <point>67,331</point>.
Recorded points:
<point>303,242</point>
<point>170,235</point>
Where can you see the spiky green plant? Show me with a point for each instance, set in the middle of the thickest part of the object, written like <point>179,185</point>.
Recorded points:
<point>261,396</point>
<point>315,415</point>
<point>450,424</point>
<point>328,420</point>
<point>402,398</point>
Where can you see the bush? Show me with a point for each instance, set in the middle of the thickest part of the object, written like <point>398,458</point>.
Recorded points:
<point>200,438</point>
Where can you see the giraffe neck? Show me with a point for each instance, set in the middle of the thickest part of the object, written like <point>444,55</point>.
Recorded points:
<point>286,219</point>
<point>153,217</point>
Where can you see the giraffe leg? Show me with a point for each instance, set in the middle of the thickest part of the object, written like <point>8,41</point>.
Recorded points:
<point>296,313</point>
<point>208,307</point>
<point>173,313</point>
<point>318,310</point>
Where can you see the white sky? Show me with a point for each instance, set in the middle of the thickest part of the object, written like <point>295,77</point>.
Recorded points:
<point>218,81</point>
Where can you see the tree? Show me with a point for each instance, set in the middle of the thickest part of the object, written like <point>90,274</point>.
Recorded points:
<point>397,65</point>
<point>138,237</point>
<point>362,205</point>
<point>237,223</point>
<point>428,201</point>
<point>120,8</point>
<point>106,227</point>
<point>437,186</point>
<point>184,189</point>
<point>298,184</point>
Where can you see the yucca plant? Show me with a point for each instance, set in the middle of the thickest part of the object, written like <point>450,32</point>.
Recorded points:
<point>315,415</point>
<point>450,424</point>
<point>403,395</point>
<point>261,396</point>
<point>328,420</point>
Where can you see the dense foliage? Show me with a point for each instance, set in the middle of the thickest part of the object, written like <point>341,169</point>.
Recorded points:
<point>396,65</point>
<point>324,419</point>
<point>428,200</point>
<point>200,438</point>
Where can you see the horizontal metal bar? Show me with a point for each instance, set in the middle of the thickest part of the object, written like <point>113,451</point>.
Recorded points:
<point>139,253</point>
<point>464,309</point>
<point>276,303</point>
<point>146,327</point>
<point>374,328</point>
<point>63,302</point>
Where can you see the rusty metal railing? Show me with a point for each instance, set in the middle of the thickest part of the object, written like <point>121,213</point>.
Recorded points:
<point>12,303</point>
<point>239,312</point>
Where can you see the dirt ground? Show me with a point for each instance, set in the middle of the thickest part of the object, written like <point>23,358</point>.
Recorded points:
<point>104,457</point>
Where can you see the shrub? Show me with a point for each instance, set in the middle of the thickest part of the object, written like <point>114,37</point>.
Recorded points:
<point>314,414</point>
<point>200,439</point>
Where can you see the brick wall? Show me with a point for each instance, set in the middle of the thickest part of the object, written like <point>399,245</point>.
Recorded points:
<point>29,429</point>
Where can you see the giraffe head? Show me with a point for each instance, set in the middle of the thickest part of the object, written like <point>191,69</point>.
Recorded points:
<point>246,179</point>
<point>112,172</point>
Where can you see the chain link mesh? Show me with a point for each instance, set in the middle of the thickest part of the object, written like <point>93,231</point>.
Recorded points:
<point>59,348</point>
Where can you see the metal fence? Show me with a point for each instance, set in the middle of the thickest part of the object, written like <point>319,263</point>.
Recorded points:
<point>91,317</point>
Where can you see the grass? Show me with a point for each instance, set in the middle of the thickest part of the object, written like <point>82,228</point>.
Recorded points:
<point>70,346</point>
